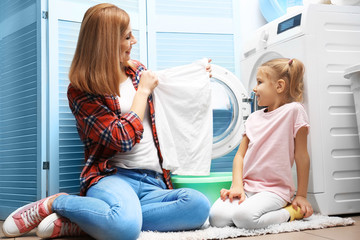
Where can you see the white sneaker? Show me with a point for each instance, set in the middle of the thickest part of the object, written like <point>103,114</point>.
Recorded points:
<point>57,226</point>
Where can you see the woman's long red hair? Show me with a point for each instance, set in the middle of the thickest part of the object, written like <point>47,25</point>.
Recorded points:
<point>96,65</point>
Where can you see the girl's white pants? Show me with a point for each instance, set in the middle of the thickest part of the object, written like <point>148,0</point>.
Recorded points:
<point>259,210</point>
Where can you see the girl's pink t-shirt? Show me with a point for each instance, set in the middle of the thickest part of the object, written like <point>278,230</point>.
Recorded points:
<point>270,153</point>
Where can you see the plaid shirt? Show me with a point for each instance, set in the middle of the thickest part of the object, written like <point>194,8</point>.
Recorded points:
<point>105,131</point>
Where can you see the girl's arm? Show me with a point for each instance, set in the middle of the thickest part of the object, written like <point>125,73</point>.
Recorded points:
<point>237,188</point>
<point>302,161</point>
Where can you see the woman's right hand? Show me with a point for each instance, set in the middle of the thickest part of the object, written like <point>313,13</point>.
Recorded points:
<point>148,82</point>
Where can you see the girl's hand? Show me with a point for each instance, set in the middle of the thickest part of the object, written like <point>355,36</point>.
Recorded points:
<point>208,68</point>
<point>233,193</point>
<point>148,82</point>
<point>224,193</point>
<point>304,205</point>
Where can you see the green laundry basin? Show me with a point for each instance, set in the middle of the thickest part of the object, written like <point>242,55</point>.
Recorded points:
<point>210,185</point>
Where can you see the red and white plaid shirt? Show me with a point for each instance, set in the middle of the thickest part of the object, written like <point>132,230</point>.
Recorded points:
<point>105,131</point>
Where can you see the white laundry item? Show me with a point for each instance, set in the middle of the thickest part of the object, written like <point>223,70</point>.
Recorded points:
<point>183,118</point>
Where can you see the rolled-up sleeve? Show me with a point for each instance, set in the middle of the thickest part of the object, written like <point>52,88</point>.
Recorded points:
<point>98,122</point>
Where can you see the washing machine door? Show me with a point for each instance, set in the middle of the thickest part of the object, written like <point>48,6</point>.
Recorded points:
<point>249,67</point>
<point>230,110</point>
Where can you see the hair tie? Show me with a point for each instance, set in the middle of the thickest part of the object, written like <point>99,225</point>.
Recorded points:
<point>290,61</point>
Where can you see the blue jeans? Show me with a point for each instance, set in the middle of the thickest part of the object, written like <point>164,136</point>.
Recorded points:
<point>121,205</point>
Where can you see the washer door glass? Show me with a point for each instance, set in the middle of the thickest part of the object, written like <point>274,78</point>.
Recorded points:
<point>229,111</point>
<point>225,109</point>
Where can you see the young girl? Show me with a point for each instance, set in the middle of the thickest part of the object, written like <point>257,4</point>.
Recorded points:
<point>262,191</point>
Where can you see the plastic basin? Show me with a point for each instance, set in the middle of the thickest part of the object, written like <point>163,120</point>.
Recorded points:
<point>273,9</point>
<point>210,185</point>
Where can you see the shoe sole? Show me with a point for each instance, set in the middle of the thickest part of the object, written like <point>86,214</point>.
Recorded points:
<point>44,225</point>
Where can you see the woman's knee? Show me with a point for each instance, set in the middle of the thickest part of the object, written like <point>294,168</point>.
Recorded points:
<point>197,203</point>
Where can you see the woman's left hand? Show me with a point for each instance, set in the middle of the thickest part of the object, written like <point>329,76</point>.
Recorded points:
<point>208,68</point>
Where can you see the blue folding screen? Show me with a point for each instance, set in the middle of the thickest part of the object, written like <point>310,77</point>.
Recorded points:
<point>19,105</point>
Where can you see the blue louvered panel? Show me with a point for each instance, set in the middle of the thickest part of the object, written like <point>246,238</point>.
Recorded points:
<point>71,154</point>
<point>174,49</point>
<point>127,5</point>
<point>195,8</point>
<point>135,51</point>
<point>19,115</point>
<point>10,7</point>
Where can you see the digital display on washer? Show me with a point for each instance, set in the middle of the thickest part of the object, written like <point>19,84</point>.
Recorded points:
<point>289,23</point>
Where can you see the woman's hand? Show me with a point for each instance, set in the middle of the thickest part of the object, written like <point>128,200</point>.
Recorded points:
<point>208,68</point>
<point>232,194</point>
<point>304,205</point>
<point>148,82</point>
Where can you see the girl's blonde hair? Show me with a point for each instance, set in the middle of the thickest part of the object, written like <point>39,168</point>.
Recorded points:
<point>292,72</point>
<point>96,66</point>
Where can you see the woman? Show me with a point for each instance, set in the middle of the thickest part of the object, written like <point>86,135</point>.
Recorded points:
<point>123,186</point>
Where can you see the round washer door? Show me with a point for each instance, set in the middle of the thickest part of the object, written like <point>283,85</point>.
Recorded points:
<point>250,73</point>
<point>229,110</point>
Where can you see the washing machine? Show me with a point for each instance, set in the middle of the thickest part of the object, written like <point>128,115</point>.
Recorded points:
<point>326,38</point>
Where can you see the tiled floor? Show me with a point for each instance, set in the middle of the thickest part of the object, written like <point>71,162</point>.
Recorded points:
<point>337,233</point>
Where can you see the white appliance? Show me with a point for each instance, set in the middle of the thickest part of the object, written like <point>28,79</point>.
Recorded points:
<point>326,38</point>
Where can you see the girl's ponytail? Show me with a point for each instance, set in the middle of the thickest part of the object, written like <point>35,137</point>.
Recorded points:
<point>296,83</point>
